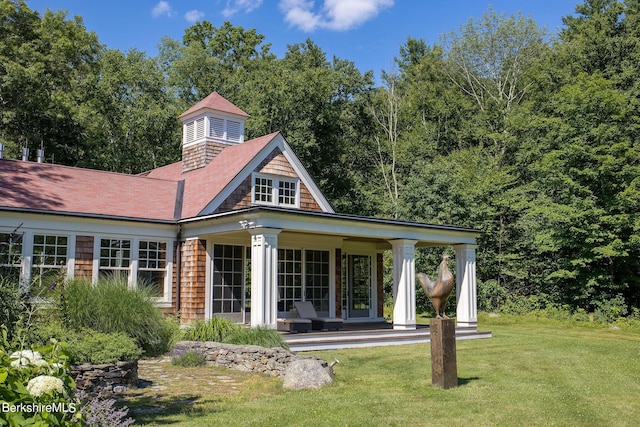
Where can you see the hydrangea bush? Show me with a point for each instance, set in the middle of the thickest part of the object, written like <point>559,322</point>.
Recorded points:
<point>36,388</point>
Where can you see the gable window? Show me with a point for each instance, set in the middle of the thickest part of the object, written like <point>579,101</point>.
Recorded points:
<point>263,190</point>
<point>152,266</point>
<point>115,258</point>
<point>49,257</point>
<point>275,190</point>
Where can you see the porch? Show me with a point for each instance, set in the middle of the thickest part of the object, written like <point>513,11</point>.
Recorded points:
<point>357,335</point>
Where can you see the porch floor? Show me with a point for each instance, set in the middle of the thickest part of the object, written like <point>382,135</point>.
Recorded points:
<point>354,335</point>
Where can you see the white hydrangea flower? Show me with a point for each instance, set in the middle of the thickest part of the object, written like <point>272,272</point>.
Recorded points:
<point>44,384</point>
<point>26,357</point>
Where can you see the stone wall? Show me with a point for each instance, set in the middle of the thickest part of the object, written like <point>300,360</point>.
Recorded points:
<point>107,378</point>
<point>269,361</point>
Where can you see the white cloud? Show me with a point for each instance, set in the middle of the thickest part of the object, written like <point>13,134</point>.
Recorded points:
<point>194,16</point>
<point>340,15</point>
<point>162,8</point>
<point>235,6</point>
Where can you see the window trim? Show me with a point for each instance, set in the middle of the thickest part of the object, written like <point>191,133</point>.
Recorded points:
<point>275,189</point>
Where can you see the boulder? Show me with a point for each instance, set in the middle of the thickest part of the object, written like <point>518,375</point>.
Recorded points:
<point>307,374</point>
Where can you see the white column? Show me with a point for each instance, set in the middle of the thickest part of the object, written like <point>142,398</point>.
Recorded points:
<point>466,295</point>
<point>264,277</point>
<point>404,284</point>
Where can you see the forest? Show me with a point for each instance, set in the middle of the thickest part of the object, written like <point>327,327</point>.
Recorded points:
<point>529,136</point>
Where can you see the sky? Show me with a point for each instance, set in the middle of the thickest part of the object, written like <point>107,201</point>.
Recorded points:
<point>367,32</point>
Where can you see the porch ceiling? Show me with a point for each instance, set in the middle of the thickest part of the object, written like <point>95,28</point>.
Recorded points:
<point>350,228</point>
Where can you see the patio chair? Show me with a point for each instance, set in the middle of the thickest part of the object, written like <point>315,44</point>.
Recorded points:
<point>306,311</point>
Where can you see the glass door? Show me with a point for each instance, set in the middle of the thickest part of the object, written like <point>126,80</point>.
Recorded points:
<point>357,285</point>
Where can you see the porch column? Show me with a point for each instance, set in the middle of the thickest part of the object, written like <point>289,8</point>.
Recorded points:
<point>466,295</point>
<point>404,284</point>
<point>264,277</point>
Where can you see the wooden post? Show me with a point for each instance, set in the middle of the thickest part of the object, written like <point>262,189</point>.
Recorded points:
<point>444,369</point>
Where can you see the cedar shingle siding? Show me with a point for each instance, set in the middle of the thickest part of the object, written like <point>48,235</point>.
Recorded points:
<point>84,257</point>
<point>276,163</point>
<point>194,273</point>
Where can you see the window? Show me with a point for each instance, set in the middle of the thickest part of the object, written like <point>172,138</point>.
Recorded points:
<point>275,190</point>
<point>115,257</point>
<point>317,279</point>
<point>287,193</point>
<point>10,255</point>
<point>228,279</point>
<point>263,190</point>
<point>289,278</point>
<point>152,266</point>
<point>49,256</point>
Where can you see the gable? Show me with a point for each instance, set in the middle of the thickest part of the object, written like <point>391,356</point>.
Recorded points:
<point>276,164</point>
<point>275,158</point>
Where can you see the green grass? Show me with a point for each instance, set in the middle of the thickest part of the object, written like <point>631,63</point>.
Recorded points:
<point>532,372</point>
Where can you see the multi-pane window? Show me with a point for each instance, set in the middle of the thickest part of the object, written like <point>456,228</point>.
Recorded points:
<point>49,256</point>
<point>115,258</point>
<point>10,255</point>
<point>289,278</point>
<point>152,265</point>
<point>287,193</point>
<point>228,279</point>
<point>317,279</point>
<point>263,190</point>
<point>275,190</point>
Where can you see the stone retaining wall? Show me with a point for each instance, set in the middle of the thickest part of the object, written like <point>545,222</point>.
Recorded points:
<point>107,378</point>
<point>269,361</point>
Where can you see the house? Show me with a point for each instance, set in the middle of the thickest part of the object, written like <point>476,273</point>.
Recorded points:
<point>236,229</point>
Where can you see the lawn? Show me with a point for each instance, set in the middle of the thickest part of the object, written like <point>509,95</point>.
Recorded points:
<point>532,372</point>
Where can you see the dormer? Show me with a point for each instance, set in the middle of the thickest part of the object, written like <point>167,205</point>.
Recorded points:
<point>207,128</point>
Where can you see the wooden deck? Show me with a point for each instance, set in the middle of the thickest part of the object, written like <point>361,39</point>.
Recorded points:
<point>355,335</point>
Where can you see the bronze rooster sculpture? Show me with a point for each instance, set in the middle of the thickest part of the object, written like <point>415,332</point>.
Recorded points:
<point>438,291</point>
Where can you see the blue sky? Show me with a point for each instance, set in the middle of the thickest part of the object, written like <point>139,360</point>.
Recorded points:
<point>368,32</point>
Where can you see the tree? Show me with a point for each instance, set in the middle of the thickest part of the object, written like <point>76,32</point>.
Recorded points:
<point>131,120</point>
<point>45,64</point>
<point>490,61</point>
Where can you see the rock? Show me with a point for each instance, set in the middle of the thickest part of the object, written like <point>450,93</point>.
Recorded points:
<point>307,374</point>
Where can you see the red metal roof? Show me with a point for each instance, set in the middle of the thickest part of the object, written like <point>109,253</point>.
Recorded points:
<point>153,195</point>
<point>215,101</point>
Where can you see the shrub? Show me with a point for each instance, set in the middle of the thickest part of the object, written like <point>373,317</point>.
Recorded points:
<point>87,346</point>
<point>111,306</point>
<point>102,412</point>
<point>38,385</point>
<point>263,337</point>
<point>215,329</point>
<point>99,347</point>
<point>12,304</point>
<point>189,359</point>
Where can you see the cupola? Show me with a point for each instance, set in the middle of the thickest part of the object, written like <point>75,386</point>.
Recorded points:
<point>207,128</point>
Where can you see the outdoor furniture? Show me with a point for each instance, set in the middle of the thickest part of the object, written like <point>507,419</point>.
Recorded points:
<point>306,311</point>
<point>294,325</point>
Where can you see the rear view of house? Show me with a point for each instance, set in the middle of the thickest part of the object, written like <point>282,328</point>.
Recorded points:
<point>236,229</point>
